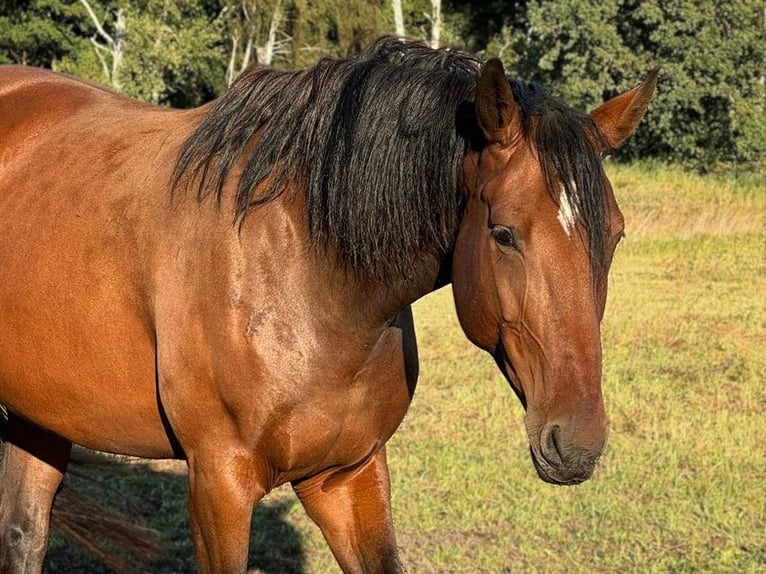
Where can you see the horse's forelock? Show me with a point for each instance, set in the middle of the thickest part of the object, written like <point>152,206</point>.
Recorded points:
<point>568,143</point>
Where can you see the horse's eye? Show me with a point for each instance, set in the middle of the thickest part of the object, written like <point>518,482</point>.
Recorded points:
<point>504,236</point>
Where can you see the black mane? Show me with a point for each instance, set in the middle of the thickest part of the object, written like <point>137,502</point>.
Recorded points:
<point>372,140</point>
<point>376,142</point>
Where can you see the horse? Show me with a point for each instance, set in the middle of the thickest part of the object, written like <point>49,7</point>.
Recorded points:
<point>231,284</point>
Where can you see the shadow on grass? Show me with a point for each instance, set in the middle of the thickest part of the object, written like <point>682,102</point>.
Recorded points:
<point>158,500</point>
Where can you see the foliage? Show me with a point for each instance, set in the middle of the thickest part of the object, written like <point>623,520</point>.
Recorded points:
<point>711,106</point>
<point>297,33</point>
<point>333,28</point>
<point>710,110</point>
<point>417,19</point>
<point>173,52</point>
<point>161,51</point>
<point>482,23</point>
<point>40,32</point>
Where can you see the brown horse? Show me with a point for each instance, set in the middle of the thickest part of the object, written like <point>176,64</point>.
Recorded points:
<point>231,284</point>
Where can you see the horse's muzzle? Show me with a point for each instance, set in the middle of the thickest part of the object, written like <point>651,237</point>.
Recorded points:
<point>560,461</point>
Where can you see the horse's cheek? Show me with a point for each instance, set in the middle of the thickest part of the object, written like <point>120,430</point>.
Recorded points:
<point>476,308</point>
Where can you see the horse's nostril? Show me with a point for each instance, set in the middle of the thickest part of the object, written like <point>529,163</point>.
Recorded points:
<point>550,443</point>
<point>564,457</point>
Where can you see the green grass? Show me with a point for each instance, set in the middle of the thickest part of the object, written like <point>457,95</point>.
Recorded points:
<point>682,484</point>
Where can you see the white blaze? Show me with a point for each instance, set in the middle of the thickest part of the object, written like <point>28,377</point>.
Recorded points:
<point>567,213</point>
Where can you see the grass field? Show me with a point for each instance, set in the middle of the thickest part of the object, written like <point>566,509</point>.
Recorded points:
<point>682,484</point>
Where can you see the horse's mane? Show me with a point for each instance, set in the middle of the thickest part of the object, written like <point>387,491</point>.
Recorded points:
<point>371,139</point>
<point>376,143</point>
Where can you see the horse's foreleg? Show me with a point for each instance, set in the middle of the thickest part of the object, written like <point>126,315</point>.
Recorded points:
<point>353,510</point>
<point>30,473</point>
<point>223,488</point>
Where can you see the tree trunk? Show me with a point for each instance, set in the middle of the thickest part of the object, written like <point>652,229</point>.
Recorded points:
<point>436,22</point>
<point>267,55</point>
<point>113,47</point>
<point>398,18</point>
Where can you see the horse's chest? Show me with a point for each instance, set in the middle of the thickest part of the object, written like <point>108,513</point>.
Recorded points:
<point>345,418</point>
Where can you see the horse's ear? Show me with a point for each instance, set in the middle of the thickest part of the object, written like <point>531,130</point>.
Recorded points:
<point>618,118</point>
<point>496,110</point>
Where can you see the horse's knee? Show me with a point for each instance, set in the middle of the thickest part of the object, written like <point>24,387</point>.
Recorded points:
<point>30,473</point>
<point>22,546</point>
<point>19,539</point>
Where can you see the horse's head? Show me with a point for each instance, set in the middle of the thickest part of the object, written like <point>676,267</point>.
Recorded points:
<point>532,256</point>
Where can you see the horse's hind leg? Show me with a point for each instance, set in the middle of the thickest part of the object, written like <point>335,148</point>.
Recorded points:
<point>30,473</point>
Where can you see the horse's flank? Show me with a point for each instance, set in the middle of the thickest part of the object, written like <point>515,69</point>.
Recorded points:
<point>85,221</point>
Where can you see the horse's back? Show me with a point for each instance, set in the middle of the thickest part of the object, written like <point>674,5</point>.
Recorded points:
<point>83,180</point>
<point>32,100</point>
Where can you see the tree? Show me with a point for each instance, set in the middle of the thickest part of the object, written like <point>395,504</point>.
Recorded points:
<point>476,24</point>
<point>396,6</point>
<point>109,47</point>
<point>38,32</point>
<point>711,106</point>
<point>436,22</point>
<point>255,31</point>
<point>422,19</point>
<point>333,27</point>
<point>161,51</point>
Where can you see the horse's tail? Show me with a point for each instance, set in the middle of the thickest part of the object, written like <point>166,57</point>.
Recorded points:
<point>107,535</point>
<point>98,529</point>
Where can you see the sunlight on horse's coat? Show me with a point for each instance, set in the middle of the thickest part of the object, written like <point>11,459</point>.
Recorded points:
<point>308,210</point>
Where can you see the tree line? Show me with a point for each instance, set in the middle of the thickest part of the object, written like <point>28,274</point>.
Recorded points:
<point>710,110</point>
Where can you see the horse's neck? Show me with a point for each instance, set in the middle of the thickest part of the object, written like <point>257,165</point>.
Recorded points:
<point>275,242</point>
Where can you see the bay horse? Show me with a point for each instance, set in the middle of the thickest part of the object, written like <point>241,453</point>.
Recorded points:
<point>231,285</point>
